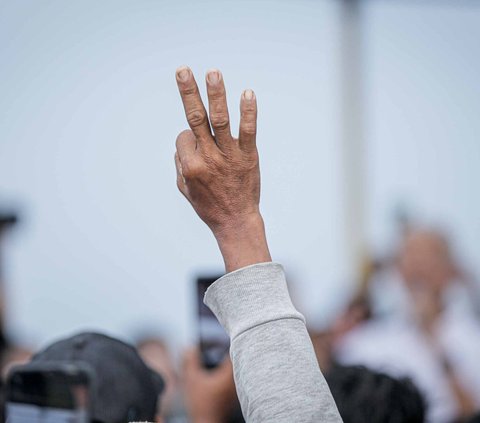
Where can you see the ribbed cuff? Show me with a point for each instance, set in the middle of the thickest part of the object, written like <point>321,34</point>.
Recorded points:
<point>251,296</point>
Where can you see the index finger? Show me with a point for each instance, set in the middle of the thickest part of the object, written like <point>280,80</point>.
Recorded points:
<point>193,105</point>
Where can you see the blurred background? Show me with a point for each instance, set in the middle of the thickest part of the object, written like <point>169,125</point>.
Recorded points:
<point>368,127</point>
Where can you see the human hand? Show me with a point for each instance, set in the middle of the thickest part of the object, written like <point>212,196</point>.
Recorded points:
<point>210,395</point>
<point>219,174</point>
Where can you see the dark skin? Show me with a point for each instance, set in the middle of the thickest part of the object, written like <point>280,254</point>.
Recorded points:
<point>218,173</point>
<point>428,268</point>
<point>220,177</point>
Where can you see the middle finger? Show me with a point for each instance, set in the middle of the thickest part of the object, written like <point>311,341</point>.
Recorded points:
<point>217,104</point>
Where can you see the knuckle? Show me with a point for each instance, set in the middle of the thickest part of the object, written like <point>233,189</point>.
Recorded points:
<point>250,162</point>
<point>196,118</point>
<point>249,109</point>
<point>249,128</point>
<point>219,120</point>
<point>191,170</point>
<point>189,90</point>
<point>217,94</point>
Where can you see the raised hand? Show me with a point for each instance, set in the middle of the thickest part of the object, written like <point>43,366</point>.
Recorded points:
<point>220,174</point>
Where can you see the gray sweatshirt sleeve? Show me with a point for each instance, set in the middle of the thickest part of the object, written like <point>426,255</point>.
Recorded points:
<point>276,372</point>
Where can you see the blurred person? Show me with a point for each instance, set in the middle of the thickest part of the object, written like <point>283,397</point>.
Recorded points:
<point>210,394</point>
<point>425,327</point>
<point>9,354</point>
<point>323,344</point>
<point>7,220</point>
<point>444,310</point>
<point>357,311</point>
<point>12,356</point>
<point>125,389</point>
<point>276,373</point>
<point>155,353</point>
<point>15,356</point>
<point>363,395</point>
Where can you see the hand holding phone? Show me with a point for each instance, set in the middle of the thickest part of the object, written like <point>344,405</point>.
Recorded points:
<point>214,342</point>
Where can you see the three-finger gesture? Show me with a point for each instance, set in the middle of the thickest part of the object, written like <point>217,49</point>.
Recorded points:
<point>218,173</point>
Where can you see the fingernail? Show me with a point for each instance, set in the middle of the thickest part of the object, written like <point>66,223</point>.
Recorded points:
<point>248,94</point>
<point>183,74</point>
<point>213,76</point>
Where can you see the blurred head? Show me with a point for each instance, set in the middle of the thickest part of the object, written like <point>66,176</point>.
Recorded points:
<point>363,395</point>
<point>425,261</point>
<point>125,389</point>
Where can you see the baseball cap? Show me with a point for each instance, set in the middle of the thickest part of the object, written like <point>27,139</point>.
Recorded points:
<point>125,389</point>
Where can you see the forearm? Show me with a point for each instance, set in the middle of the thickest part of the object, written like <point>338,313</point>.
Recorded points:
<point>276,373</point>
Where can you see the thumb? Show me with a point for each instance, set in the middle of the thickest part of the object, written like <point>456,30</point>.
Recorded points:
<point>186,145</point>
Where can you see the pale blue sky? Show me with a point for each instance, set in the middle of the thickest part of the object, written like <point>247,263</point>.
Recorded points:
<point>89,113</point>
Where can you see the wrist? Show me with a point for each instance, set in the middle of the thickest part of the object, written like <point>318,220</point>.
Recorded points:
<point>243,242</point>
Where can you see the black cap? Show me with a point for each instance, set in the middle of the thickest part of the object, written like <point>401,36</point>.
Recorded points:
<point>125,389</point>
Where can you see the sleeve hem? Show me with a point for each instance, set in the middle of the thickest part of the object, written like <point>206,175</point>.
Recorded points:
<point>250,297</point>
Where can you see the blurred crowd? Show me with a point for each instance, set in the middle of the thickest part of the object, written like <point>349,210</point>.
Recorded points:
<point>408,340</point>
<point>415,315</point>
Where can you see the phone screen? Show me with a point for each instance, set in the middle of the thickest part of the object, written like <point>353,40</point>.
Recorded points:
<point>48,396</point>
<point>214,341</point>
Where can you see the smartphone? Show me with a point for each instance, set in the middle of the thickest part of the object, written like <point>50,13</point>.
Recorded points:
<point>213,340</point>
<point>49,393</point>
